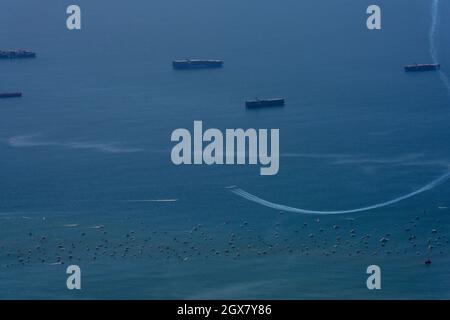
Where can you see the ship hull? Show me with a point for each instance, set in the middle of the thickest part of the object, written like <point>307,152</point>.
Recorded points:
<point>17,54</point>
<point>10,95</point>
<point>422,67</point>
<point>197,64</point>
<point>265,103</point>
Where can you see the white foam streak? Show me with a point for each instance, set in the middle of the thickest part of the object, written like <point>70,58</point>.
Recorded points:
<point>434,32</point>
<point>29,141</point>
<point>244,194</point>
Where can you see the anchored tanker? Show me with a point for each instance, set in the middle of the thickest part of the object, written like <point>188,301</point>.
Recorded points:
<point>16,54</point>
<point>422,67</point>
<point>197,64</point>
<point>10,95</point>
<point>257,103</point>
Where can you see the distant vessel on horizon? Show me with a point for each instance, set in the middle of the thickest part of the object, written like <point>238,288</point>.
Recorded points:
<point>422,67</point>
<point>16,54</point>
<point>10,95</point>
<point>257,103</point>
<point>196,64</point>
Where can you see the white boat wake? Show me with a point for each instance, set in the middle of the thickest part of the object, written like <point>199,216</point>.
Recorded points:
<point>434,32</point>
<point>244,194</point>
<point>31,140</point>
<point>433,51</point>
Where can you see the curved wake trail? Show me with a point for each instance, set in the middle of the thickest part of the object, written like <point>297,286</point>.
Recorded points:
<point>244,194</point>
<point>433,51</point>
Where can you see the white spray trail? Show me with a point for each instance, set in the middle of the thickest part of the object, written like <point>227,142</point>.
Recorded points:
<point>434,32</point>
<point>433,51</point>
<point>434,29</point>
<point>285,208</point>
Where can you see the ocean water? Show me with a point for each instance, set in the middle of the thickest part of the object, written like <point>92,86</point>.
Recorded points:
<point>86,176</point>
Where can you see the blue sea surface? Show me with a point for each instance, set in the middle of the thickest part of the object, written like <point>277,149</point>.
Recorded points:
<point>86,176</point>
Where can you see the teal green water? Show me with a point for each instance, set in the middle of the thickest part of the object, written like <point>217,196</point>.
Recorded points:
<point>90,139</point>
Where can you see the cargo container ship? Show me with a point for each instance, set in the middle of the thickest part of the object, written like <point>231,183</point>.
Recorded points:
<point>422,67</point>
<point>16,54</point>
<point>10,95</point>
<point>196,64</point>
<point>257,103</point>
